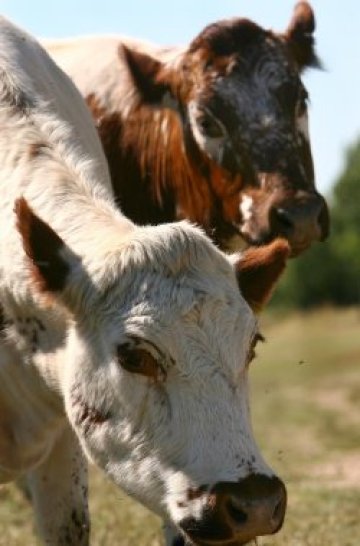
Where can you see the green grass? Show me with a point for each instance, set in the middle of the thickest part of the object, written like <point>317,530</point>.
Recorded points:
<point>306,414</point>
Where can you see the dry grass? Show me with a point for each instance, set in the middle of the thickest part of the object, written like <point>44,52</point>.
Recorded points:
<point>306,412</point>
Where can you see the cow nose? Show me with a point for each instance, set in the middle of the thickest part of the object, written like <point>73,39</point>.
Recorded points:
<point>302,221</point>
<point>260,508</point>
<point>239,512</point>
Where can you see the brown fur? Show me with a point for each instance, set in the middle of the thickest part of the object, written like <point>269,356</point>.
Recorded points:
<point>36,149</point>
<point>160,174</point>
<point>42,246</point>
<point>299,36</point>
<point>259,270</point>
<point>167,183</point>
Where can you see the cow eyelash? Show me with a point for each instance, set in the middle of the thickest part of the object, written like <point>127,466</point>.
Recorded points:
<point>138,360</point>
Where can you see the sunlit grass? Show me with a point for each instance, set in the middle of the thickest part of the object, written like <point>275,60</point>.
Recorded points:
<point>306,413</point>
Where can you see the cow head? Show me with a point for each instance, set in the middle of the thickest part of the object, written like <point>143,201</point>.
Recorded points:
<point>155,379</point>
<point>242,103</point>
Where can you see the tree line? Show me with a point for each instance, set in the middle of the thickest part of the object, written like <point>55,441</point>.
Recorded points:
<point>329,273</point>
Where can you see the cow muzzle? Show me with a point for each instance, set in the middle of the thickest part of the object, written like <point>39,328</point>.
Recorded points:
<point>236,513</point>
<point>301,220</point>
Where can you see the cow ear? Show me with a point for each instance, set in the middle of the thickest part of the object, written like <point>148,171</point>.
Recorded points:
<point>150,78</point>
<point>51,261</point>
<point>300,36</point>
<point>258,269</point>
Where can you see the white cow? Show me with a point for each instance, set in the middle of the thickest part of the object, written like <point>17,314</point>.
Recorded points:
<point>125,345</point>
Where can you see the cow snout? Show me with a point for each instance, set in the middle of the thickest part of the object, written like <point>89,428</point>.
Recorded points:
<point>239,512</point>
<point>301,221</point>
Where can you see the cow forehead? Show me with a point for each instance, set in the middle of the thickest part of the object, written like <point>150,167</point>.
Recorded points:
<point>186,321</point>
<point>263,68</point>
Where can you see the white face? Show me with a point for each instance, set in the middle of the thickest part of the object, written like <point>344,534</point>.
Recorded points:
<point>186,426</point>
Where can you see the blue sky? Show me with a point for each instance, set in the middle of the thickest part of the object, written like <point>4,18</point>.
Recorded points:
<point>334,93</point>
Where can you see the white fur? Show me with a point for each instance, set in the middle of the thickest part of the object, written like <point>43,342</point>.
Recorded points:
<point>246,207</point>
<point>167,285</point>
<point>93,63</point>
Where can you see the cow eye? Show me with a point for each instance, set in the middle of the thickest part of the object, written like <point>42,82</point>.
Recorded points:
<point>136,360</point>
<point>209,126</point>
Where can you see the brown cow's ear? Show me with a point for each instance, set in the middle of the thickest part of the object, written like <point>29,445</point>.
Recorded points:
<point>258,270</point>
<point>50,259</point>
<point>299,36</point>
<point>149,77</point>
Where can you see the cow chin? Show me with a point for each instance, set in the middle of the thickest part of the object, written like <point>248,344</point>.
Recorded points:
<point>260,237</point>
<point>231,542</point>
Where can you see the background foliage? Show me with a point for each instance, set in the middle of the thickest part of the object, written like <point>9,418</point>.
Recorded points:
<point>329,273</point>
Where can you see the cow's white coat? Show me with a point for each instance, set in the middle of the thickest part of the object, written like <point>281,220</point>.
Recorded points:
<point>166,286</point>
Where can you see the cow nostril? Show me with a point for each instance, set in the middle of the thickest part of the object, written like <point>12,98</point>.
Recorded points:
<point>284,219</point>
<point>236,513</point>
<point>278,512</point>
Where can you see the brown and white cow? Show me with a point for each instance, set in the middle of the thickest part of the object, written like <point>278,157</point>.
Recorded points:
<point>229,149</point>
<point>125,345</point>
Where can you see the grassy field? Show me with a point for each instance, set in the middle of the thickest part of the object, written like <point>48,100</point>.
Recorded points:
<point>306,413</point>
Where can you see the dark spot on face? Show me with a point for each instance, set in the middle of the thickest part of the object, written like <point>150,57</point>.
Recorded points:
<point>86,416</point>
<point>36,149</point>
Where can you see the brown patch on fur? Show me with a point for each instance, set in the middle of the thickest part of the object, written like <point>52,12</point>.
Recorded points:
<point>299,36</point>
<point>42,246</point>
<point>259,269</point>
<point>146,74</point>
<point>36,149</point>
<point>159,174</point>
<point>86,416</point>
<point>164,181</point>
<point>219,39</point>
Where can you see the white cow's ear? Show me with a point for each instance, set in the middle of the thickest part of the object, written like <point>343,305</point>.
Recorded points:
<point>258,269</point>
<point>151,78</point>
<point>51,261</point>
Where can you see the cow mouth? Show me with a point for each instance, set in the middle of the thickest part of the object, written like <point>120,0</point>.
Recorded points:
<point>187,540</point>
<point>230,542</point>
<point>295,248</point>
